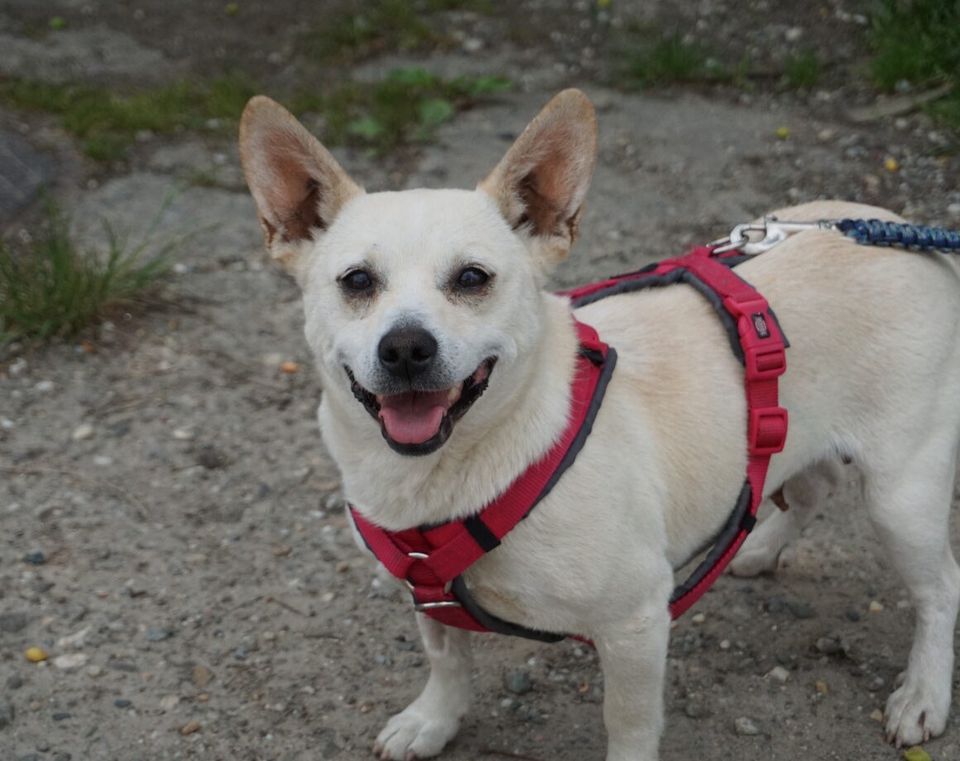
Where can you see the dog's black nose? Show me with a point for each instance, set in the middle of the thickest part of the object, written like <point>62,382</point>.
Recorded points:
<point>407,352</point>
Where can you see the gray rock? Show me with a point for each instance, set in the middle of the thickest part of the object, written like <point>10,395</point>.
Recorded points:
<point>13,622</point>
<point>518,682</point>
<point>745,727</point>
<point>6,715</point>
<point>828,645</point>
<point>23,172</point>
<point>158,633</point>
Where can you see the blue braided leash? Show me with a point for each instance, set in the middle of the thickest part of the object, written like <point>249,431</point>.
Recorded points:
<point>876,232</point>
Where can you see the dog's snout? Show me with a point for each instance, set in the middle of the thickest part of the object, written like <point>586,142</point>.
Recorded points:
<point>407,352</point>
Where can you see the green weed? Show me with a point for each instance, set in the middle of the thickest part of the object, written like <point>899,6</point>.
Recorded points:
<point>406,107</point>
<point>802,71</point>
<point>49,288</point>
<point>107,123</point>
<point>667,59</point>
<point>918,41</point>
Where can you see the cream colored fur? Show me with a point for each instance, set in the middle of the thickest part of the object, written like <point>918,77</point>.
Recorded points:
<point>874,376</point>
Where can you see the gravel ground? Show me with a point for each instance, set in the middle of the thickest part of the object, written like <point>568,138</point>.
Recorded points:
<point>171,529</point>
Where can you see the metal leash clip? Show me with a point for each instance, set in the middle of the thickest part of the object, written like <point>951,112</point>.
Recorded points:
<point>773,230</point>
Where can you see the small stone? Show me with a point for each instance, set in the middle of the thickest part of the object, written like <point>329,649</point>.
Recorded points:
<point>782,133</point>
<point>202,676</point>
<point>828,645</point>
<point>800,609</point>
<point>62,716</point>
<point>44,386</point>
<point>102,460</point>
<point>82,432</point>
<point>169,702</point>
<point>698,618</point>
<point>916,753</point>
<point>35,557</point>
<point>875,606</point>
<point>826,135</point>
<point>518,682</point>
<point>182,434</point>
<point>35,654</point>
<point>725,644</point>
<point>891,164</point>
<point>954,210</point>
<point>343,566</point>
<point>70,661</point>
<point>122,703</point>
<point>190,727</point>
<point>472,45</point>
<point>821,687</point>
<point>158,633</point>
<point>95,671</point>
<point>876,715</point>
<point>793,34</point>
<point>13,622</point>
<point>779,674</point>
<point>745,727</point>
<point>852,615</point>
<point>6,715</point>
<point>73,640</point>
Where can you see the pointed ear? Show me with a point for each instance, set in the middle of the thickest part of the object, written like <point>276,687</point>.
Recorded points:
<point>298,186</point>
<point>541,182</point>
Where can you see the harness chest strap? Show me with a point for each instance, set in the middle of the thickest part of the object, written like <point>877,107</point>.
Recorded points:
<point>432,559</point>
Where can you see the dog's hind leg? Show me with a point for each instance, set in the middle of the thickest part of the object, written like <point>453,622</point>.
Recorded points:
<point>909,503</point>
<point>802,494</point>
<point>431,721</point>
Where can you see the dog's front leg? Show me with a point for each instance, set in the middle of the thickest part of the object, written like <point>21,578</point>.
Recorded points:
<point>633,654</point>
<point>431,721</point>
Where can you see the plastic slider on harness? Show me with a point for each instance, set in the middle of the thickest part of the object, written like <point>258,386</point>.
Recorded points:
<point>430,560</point>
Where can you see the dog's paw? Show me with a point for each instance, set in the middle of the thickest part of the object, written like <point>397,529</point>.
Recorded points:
<point>915,712</point>
<point>753,561</point>
<point>411,735</point>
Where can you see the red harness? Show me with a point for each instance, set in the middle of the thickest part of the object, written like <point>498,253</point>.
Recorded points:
<point>432,559</point>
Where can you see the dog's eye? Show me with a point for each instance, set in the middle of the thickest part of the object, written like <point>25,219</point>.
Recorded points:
<point>472,277</point>
<point>357,280</point>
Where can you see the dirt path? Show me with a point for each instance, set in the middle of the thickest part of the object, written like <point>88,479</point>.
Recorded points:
<point>195,571</point>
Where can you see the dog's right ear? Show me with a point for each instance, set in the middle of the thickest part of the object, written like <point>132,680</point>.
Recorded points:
<point>298,186</point>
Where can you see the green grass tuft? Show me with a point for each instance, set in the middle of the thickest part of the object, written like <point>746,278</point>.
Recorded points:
<point>802,71</point>
<point>49,288</point>
<point>406,107</point>
<point>107,123</point>
<point>667,59</point>
<point>917,41</point>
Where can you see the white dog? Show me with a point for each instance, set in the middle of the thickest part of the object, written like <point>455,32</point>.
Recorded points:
<point>413,298</point>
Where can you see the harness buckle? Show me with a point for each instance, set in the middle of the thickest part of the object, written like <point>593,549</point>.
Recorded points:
<point>767,430</point>
<point>764,363</point>
<point>439,591</point>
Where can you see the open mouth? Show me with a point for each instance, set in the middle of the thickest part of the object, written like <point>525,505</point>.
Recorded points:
<point>419,422</point>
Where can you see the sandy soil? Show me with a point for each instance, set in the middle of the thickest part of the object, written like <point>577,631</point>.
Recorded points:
<point>172,531</point>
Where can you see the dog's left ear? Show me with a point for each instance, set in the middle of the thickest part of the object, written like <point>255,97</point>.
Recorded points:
<point>541,182</point>
<point>298,186</point>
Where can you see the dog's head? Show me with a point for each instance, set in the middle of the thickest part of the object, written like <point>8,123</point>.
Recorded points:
<point>417,301</point>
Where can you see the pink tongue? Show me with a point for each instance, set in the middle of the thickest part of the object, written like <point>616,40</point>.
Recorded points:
<point>413,417</point>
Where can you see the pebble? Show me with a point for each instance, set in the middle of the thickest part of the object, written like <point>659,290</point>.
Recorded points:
<point>698,618</point>
<point>518,682</point>
<point>875,606</point>
<point>35,654</point>
<point>916,753</point>
<point>821,687</point>
<point>190,727</point>
<point>44,386</point>
<point>725,644</point>
<point>954,210</point>
<point>13,622</point>
<point>70,661</point>
<point>122,703</point>
<point>62,716</point>
<point>182,434</point>
<point>158,633</point>
<point>35,557</point>
<point>169,702</point>
<point>82,432</point>
<point>876,715</point>
<point>779,674</point>
<point>852,615</point>
<point>794,33</point>
<point>202,676</point>
<point>746,727</point>
<point>6,715</point>
<point>95,671</point>
<point>828,645</point>
<point>102,460</point>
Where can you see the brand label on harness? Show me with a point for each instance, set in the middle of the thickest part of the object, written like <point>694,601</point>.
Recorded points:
<point>760,325</point>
